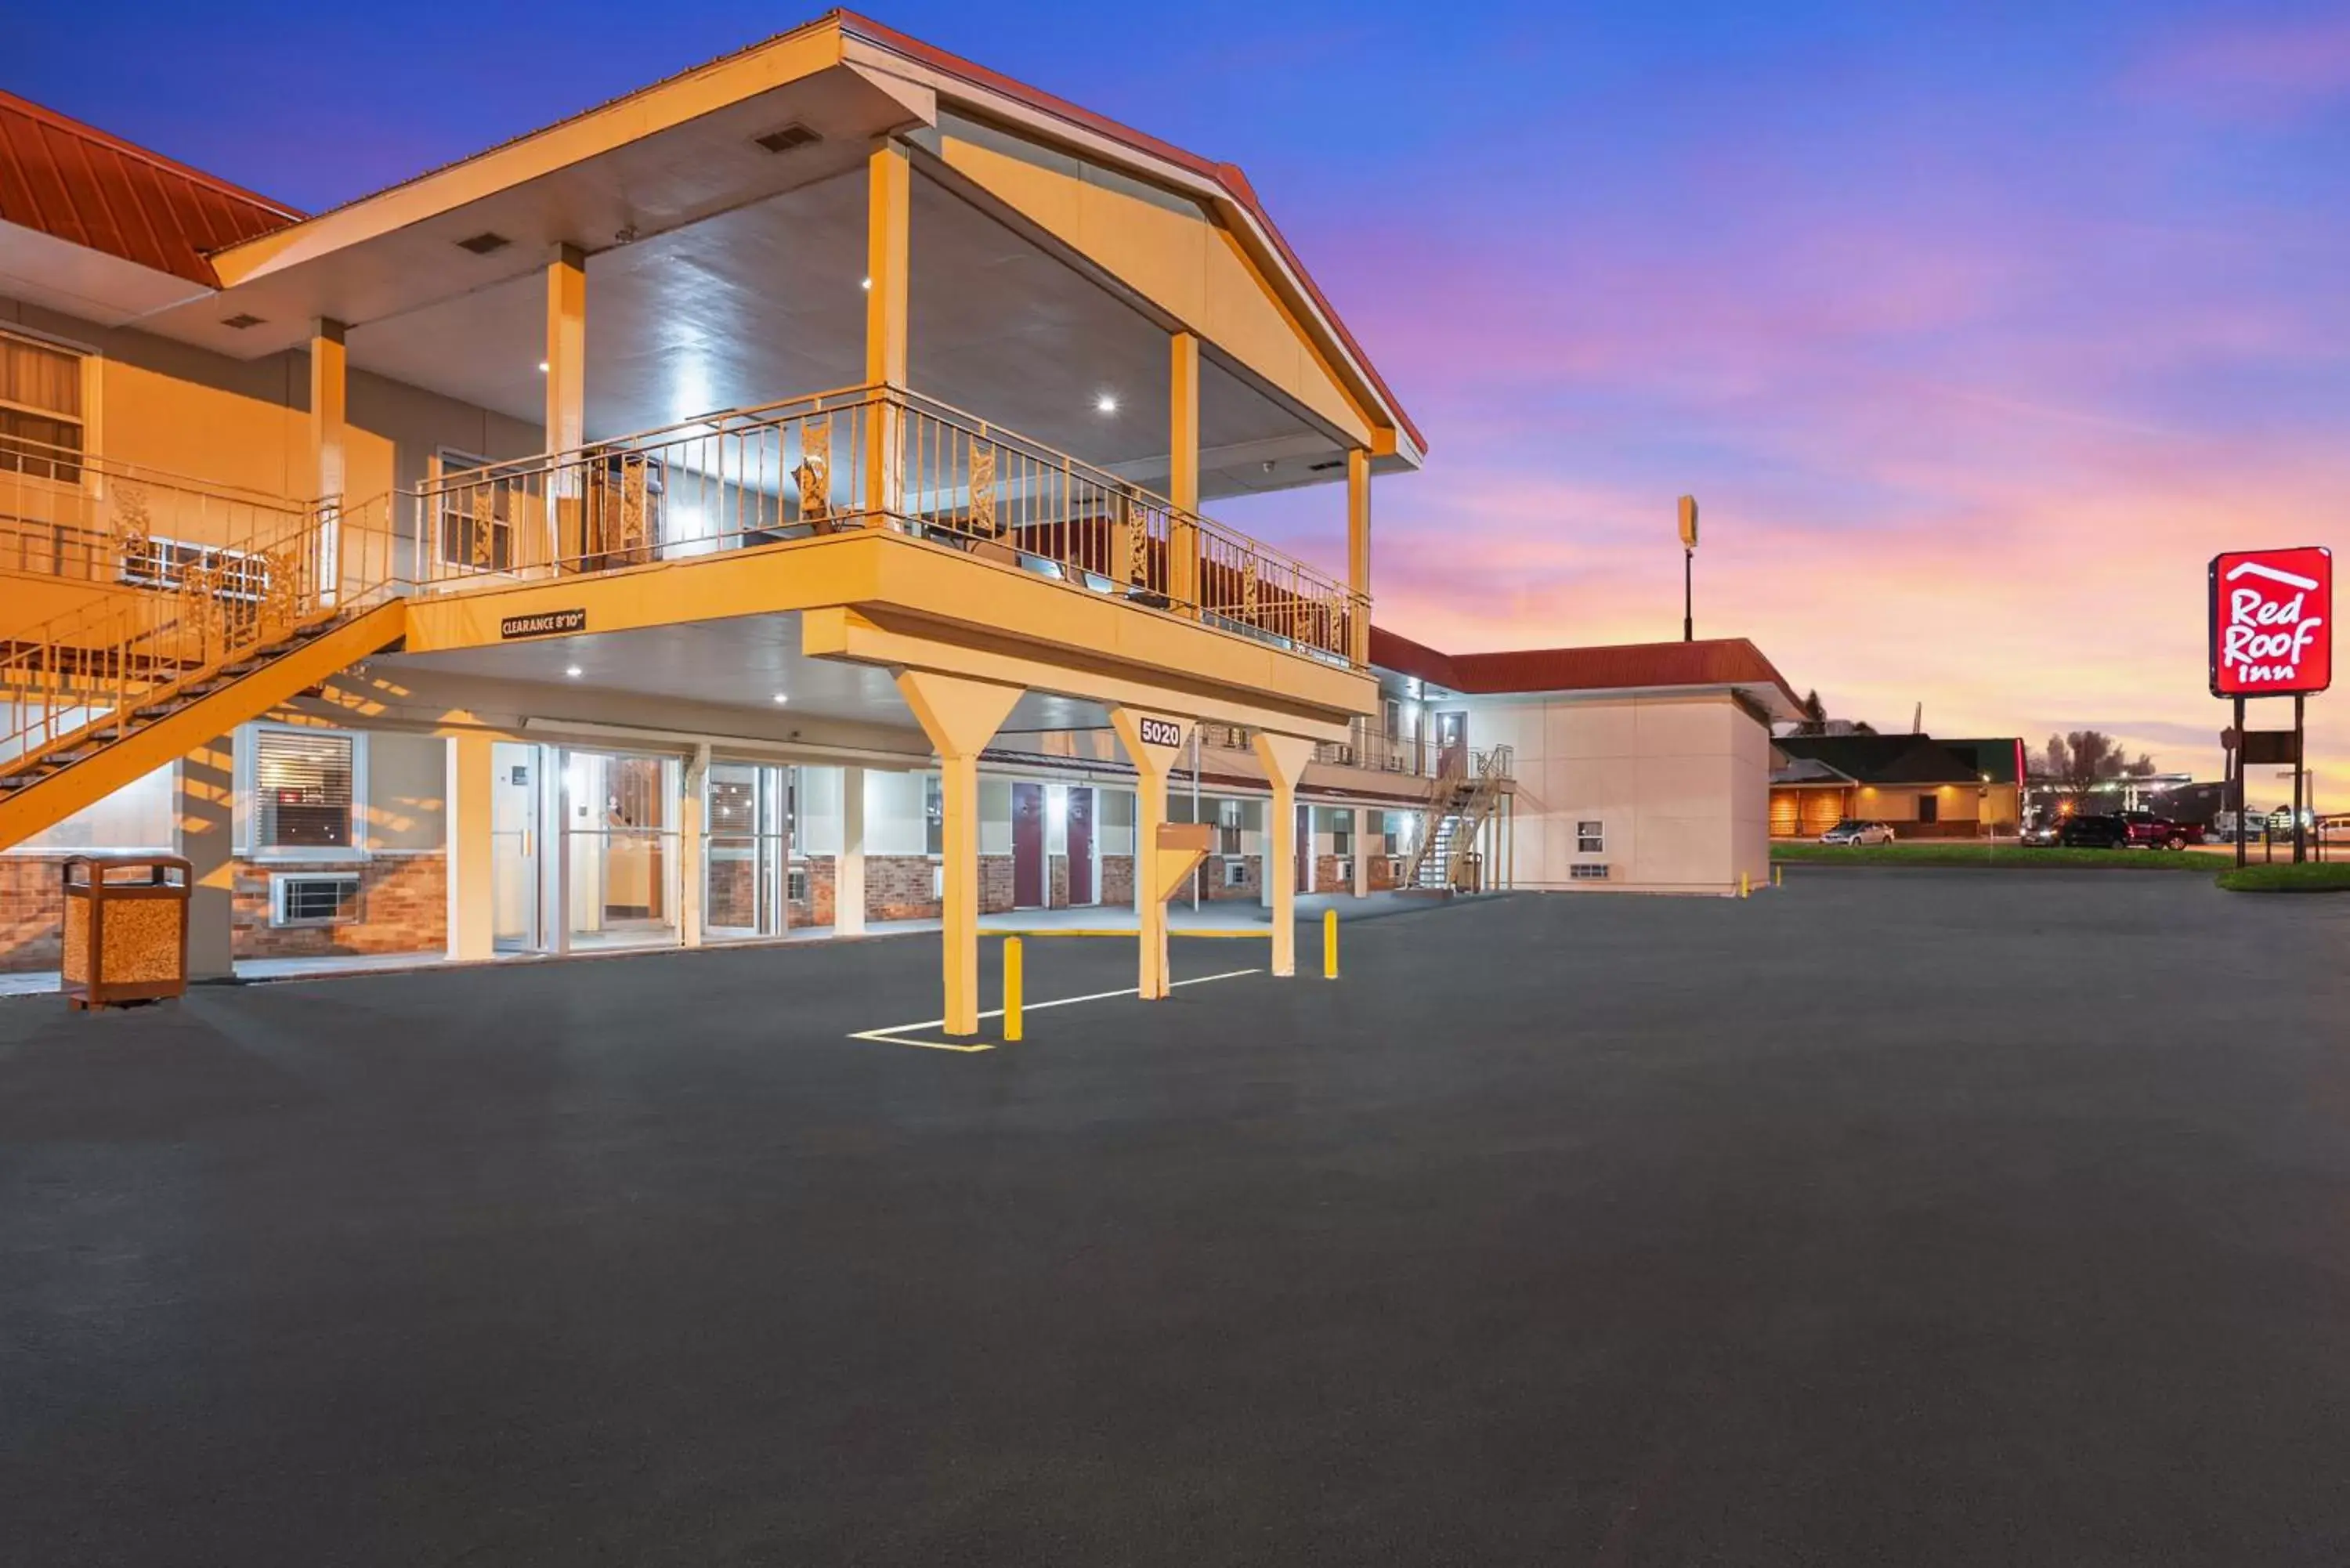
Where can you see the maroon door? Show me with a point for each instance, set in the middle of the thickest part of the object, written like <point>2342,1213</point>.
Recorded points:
<point>1027,846</point>
<point>1081,847</point>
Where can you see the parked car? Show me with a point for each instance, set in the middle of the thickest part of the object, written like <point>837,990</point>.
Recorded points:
<point>2042,836</point>
<point>2090,830</point>
<point>2149,831</point>
<point>1852,830</point>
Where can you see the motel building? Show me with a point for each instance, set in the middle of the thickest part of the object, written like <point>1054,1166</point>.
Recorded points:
<point>768,504</point>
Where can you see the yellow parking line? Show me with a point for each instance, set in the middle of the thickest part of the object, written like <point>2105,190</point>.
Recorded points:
<point>894,1035</point>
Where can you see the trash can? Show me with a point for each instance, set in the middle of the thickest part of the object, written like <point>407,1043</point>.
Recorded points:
<point>125,935</point>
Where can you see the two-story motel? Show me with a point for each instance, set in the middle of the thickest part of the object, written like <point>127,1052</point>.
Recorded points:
<point>769,501</point>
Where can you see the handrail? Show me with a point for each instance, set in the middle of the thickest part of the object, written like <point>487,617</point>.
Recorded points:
<point>210,606</point>
<point>861,458</point>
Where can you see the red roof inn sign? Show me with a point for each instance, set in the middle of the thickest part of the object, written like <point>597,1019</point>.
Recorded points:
<point>2272,622</point>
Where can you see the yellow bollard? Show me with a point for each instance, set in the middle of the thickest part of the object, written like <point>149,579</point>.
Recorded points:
<point>1011,991</point>
<point>1743,878</point>
<point>1329,944</point>
<point>1778,875</point>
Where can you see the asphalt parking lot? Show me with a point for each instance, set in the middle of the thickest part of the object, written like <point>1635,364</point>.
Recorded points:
<point>1901,1217</point>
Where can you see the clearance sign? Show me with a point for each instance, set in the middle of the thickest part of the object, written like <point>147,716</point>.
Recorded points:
<point>2272,622</point>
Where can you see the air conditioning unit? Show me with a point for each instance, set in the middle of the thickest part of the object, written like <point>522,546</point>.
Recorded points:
<point>1235,872</point>
<point>314,899</point>
<point>1587,872</point>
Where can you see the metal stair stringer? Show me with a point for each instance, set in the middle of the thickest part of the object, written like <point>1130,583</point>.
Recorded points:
<point>50,799</point>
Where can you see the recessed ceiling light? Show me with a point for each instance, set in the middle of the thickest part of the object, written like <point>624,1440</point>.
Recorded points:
<point>867,283</point>
<point>782,696</point>
<point>485,242</point>
<point>542,366</point>
<point>572,671</point>
<point>1107,403</point>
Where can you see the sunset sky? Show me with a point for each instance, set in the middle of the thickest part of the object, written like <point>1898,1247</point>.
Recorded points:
<point>1977,332</point>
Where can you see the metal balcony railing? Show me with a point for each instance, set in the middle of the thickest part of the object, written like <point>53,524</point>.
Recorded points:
<point>68,514</point>
<point>868,458</point>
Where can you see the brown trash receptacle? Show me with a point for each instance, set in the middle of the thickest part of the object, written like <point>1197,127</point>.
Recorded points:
<point>126,929</point>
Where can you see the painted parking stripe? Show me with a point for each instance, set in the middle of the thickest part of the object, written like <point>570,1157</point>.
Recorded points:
<point>894,1035</point>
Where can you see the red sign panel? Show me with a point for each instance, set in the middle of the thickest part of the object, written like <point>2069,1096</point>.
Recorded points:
<point>2272,622</point>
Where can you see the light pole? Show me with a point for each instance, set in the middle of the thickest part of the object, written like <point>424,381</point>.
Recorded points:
<point>1688,567</point>
<point>1983,820</point>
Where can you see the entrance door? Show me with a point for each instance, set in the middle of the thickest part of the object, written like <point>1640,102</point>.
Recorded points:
<point>1027,846</point>
<point>515,790</point>
<point>1081,847</point>
<point>1452,739</point>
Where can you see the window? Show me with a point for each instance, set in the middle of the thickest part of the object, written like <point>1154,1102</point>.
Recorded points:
<point>1228,827</point>
<point>302,789</point>
<point>1342,832</point>
<point>41,418</point>
<point>934,816</point>
<point>1591,838</point>
<point>1929,809</point>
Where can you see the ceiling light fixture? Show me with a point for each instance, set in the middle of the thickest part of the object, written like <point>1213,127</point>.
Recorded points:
<point>781,697</point>
<point>542,366</point>
<point>1107,403</point>
<point>572,671</point>
<point>868,283</point>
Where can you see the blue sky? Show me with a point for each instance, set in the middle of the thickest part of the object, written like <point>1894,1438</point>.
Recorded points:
<point>1978,327</point>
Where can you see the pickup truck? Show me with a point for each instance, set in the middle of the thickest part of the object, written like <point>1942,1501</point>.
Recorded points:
<point>2147,831</point>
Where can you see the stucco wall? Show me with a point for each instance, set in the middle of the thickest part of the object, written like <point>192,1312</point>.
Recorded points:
<point>1680,787</point>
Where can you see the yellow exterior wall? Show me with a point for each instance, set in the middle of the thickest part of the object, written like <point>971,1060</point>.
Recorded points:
<point>1165,248</point>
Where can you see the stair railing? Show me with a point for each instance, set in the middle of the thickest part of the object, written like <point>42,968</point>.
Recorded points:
<point>197,609</point>
<point>1451,774</point>
<point>1494,767</point>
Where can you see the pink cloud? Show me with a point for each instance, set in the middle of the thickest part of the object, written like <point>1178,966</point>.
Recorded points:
<point>2250,69</point>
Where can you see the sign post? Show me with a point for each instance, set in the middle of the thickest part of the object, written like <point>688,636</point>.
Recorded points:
<point>2273,636</point>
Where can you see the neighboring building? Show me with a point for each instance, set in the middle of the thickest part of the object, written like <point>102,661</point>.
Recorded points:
<point>1643,767</point>
<point>1923,786</point>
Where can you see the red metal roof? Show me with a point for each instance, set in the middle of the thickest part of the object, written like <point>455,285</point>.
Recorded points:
<point>60,177</point>
<point>1718,661</point>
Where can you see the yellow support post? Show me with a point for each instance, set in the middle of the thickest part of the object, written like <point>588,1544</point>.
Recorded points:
<point>1329,944</point>
<point>1011,991</point>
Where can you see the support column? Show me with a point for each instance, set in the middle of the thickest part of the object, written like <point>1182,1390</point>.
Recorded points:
<point>1183,472</point>
<point>1358,554</point>
<point>567,387</point>
<point>1284,758</point>
<point>960,716</point>
<point>848,866</point>
<point>208,841</point>
<point>889,183</point>
<point>690,848</point>
<point>1152,759</point>
<point>471,871</point>
<point>329,385</point>
<point>1363,814</point>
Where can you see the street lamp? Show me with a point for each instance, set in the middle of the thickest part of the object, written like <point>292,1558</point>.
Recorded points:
<point>1982,820</point>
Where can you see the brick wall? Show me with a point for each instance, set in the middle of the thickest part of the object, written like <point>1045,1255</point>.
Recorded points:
<point>816,909</point>
<point>1383,874</point>
<point>403,908</point>
<point>1057,881</point>
<point>1327,878</point>
<point>1212,886</point>
<point>995,884</point>
<point>1117,880</point>
<point>32,912</point>
<point>898,888</point>
<point>732,896</point>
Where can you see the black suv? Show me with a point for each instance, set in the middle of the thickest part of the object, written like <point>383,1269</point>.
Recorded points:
<point>2090,832</point>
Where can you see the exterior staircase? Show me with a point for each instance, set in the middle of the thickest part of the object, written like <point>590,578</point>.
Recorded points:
<point>1465,798</point>
<point>98,699</point>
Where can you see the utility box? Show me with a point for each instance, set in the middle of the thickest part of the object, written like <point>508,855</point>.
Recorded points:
<point>126,937</point>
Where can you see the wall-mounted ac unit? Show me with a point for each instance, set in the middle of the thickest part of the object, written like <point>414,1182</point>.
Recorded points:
<point>314,899</point>
<point>1235,872</point>
<point>1587,872</point>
